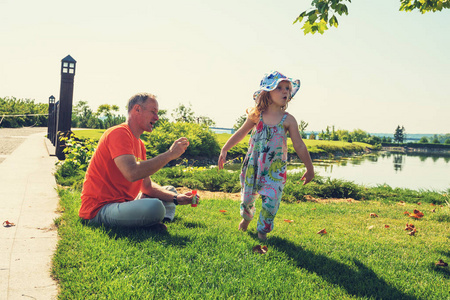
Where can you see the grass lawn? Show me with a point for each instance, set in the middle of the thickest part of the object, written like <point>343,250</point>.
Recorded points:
<point>94,134</point>
<point>204,256</point>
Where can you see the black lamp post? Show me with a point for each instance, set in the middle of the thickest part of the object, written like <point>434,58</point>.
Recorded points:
<point>65,103</point>
<point>51,107</point>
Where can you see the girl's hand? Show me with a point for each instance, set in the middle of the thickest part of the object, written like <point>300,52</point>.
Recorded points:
<point>307,177</point>
<point>222,160</point>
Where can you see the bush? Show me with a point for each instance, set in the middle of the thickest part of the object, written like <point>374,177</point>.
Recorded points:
<point>199,178</point>
<point>202,141</point>
<point>78,152</point>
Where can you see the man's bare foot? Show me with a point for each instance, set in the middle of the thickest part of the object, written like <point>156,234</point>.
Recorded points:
<point>262,236</point>
<point>243,225</point>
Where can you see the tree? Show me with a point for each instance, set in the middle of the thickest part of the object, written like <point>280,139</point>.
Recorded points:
<point>424,140</point>
<point>324,12</point>
<point>205,121</point>
<point>399,135</point>
<point>239,122</point>
<point>301,127</point>
<point>358,135</point>
<point>183,113</point>
<point>107,115</point>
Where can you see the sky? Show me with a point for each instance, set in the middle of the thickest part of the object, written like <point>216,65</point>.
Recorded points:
<point>379,69</point>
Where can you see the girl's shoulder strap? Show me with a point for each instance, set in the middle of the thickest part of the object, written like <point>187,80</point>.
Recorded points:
<point>284,117</point>
<point>260,117</point>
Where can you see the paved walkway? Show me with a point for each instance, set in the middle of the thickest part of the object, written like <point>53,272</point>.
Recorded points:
<point>29,200</point>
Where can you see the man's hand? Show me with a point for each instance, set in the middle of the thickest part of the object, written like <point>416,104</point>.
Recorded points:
<point>178,147</point>
<point>184,199</point>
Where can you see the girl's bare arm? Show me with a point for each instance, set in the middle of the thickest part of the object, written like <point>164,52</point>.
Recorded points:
<point>300,148</point>
<point>234,139</point>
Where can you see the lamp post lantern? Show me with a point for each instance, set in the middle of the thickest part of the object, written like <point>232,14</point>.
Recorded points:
<point>64,113</point>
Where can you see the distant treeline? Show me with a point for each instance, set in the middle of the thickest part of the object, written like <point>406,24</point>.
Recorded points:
<point>16,113</point>
<point>22,113</point>
<point>418,145</point>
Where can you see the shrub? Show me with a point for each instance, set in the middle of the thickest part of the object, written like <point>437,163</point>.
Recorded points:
<point>78,152</point>
<point>202,141</point>
<point>199,178</point>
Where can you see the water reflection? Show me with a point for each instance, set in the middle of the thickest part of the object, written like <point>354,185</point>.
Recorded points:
<point>395,169</point>
<point>398,162</point>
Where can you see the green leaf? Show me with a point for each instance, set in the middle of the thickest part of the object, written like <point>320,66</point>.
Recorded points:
<point>306,28</point>
<point>312,18</point>
<point>322,26</point>
<point>334,21</point>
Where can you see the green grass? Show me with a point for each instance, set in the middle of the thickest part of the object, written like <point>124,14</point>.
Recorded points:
<point>94,134</point>
<point>204,256</point>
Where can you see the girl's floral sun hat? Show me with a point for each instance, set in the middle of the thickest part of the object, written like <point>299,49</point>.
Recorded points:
<point>271,80</point>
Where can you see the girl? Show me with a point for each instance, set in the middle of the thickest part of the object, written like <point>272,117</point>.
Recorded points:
<point>264,167</point>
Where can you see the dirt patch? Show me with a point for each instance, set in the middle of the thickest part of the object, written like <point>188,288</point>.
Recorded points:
<point>212,195</point>
<point>330,200</point>
<point>237,196</point>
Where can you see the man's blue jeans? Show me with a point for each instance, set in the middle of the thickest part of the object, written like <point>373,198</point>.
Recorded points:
<point>141,212</point>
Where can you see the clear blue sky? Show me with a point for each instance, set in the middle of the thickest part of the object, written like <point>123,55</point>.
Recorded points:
<point>380,68</point>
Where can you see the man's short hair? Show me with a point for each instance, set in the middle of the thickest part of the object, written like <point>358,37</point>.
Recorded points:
<point>139,98</point>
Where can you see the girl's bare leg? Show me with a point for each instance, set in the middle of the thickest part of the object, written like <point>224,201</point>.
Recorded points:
<point>243,225</point>
<point>262,236</point>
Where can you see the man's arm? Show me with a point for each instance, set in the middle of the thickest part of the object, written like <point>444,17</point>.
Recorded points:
<point>133,170</point>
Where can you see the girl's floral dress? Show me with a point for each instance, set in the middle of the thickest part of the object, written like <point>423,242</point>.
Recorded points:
<point>264,173</point>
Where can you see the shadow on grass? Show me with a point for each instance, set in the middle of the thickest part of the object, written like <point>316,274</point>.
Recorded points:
<point>193,225</point>
<point>141,234</point>
<point>362,282</point>
<point>444,271</point>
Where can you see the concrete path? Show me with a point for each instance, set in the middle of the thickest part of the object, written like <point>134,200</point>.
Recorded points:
<point>29,200</point>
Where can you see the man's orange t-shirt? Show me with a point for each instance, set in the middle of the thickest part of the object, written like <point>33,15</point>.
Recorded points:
<point>104,183</point>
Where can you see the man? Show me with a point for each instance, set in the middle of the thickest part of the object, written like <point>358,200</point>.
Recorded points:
<point>119,171</point>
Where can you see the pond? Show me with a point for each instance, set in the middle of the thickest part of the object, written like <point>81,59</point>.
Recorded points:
<point>395,169</point>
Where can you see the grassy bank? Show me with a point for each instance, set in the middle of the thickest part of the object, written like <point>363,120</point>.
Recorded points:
<point>317,148</point>
<point>204,256</point>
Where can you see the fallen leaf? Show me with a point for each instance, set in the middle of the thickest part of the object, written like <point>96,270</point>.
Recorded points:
<point>433,210</point>
<point>401,203</point>
<point>374,215</point>
<point>323,231</point>
<point>409,227</point>
<point>406,213</point>
<point>441,263</point>
<point>412,232</point>
<point>314,208</point>
<point>222,210</point>
<point>416,214</point>
<point>289,221</point>
<point>432,204</point>
<point>370,227</point>
<point>8,224</point>
<point>418,203</point>
<point>386,226</point>
<point>260,249</point>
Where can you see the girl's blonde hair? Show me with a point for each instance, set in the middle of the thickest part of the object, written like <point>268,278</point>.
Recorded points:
<point>262,103</point>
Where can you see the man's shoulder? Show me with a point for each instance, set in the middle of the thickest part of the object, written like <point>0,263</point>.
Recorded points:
<point>120,129</point>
